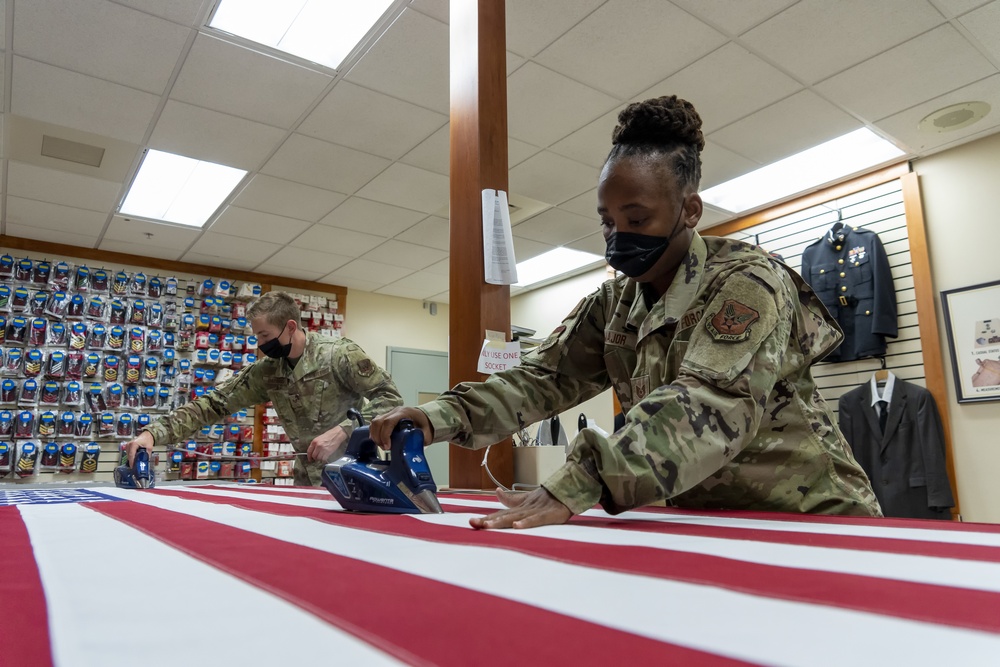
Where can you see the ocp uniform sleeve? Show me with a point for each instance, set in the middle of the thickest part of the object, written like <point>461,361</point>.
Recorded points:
<point>565,370</point>
<point>365,378</point>
<point>682,433</point>
<point>236,393</point>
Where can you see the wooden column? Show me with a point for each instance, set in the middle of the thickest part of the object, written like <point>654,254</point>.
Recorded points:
<point>478,161</point>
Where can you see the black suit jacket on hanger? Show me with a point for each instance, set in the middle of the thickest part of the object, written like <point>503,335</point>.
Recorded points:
<point>906,465</point>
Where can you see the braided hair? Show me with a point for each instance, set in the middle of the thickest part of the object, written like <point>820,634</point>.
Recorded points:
<point>662,128</point>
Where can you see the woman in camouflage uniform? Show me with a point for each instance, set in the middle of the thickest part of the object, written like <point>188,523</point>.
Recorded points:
<point>707,342</point>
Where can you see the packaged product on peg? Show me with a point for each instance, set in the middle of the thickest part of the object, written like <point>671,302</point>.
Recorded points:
<point>99,281</point>
<point>27,456</point>
<point>81,279</point>
<point>59,277</point>
<point>67,457</point>
<point>40,274</point>
<point>119,286</point>
<point>88,457</point>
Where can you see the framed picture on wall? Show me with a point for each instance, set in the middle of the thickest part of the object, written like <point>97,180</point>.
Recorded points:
<point>972,317</point>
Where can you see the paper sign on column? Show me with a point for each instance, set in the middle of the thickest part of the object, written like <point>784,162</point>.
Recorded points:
<point>497,354</point>
<point>498,243</point>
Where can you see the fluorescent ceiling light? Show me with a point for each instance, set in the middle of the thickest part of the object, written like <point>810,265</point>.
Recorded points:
<point>178,189</point>
<point>843,156</point>
<point>553,263</point>
<point>321,31</point>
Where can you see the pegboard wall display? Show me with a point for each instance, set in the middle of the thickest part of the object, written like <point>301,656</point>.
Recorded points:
<point>89,356</point>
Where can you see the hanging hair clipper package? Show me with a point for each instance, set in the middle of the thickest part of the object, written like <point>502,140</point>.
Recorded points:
<point>27,456</point>
<point>89,454</point>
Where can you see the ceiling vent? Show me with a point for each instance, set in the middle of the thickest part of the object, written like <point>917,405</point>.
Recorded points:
<point>954,117</point>
<point>72,151</point>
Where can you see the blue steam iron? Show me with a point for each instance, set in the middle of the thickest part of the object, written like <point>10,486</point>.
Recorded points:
<point>362,482</point>
<point>139,476</point>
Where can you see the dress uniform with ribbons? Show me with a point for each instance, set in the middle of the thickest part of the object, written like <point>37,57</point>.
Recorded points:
<point>849,271</point>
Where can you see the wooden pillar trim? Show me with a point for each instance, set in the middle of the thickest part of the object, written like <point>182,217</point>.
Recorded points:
<point>930,336</point>
<point>478,161</point>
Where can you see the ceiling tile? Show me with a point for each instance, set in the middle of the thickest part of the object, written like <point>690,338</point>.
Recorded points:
<point>58,96</point>
<point>441,268</point>
<point>585,205</point>
<point>923,68</point>
<point>634,31</point>
<point>373,272</point>
<point>719,164</point>
<point>233,247</point>
<point>214,76</point>
<point>220,262</point>
<point>555,226</point>
<point>256,225</point>
<point>787,127</point>
<point>141,249</point>
<point>432,153</point>
<point>726,85</point>
<point>513,62</point>
<point>591,143</point>
<point>372,217</point>
<point>409,187</point>
<point>324,165</point>
<point>437,9</point>
<point>419,285</point>
<point>594,243</point>
<point>3,63</point>
<point>816,38</point>
<point>405,255</point>
<point>203,134</point>
<point>953,8</point>
<point>433,232</point>
<point>61,187</point>
<point>443,297</point>
<point>533,25</point>
<point>149,234</point>
<point>519,151</point>
<point>734,18</point>
<point>178,11</point>
<point>543,106</point>
<point>101,39</point>
<point>526,248</point>
<point>289,272</point>
<point>50,235</point>
<point>352,283</point>
<point>54,216</point>
<point>552,178</point>
<point>369,121</point>
<point>305,259</point>
<point>712,216</point>
<point>410,62</point>
<point>984,24</point>
<point>904,126</point>
<point>337,241</point>
<point>281,197</point>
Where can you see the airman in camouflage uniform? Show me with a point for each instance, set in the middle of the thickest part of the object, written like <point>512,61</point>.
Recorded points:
<point>722,410</point>
<point>332,375</point>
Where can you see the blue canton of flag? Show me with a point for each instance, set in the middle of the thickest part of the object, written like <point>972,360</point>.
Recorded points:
<point>50,496</point>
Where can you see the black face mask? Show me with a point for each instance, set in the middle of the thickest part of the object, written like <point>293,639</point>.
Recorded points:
<point>274,349</point>
<point>636,254</point>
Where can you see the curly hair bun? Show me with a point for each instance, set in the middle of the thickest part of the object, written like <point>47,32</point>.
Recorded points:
<point>663,121</point>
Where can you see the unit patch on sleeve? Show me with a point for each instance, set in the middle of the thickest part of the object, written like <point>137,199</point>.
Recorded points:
<point>365,367</point>
<point>732,323</point>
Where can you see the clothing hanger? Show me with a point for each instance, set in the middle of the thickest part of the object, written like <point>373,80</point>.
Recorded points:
<point>882,374</point>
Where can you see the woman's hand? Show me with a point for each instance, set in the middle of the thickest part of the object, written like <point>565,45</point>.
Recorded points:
<point>525,510</point>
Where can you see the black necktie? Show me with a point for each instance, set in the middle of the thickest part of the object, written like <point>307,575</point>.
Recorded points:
<point>883,414</point>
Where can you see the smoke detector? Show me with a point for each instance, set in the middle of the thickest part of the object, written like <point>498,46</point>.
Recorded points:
<point>954,117</point>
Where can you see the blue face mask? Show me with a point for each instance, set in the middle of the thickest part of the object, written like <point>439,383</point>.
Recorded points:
<point>636,254</point>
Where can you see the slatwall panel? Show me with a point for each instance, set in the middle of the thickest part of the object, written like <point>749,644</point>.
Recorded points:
<point>879,209</point>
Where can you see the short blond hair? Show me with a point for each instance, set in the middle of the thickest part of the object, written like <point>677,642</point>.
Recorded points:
<point>276,307</point>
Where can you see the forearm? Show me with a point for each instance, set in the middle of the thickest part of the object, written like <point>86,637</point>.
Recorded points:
<point>187,420</point>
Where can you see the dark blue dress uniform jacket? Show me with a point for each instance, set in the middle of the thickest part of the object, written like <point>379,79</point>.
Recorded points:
<point>849,271</point>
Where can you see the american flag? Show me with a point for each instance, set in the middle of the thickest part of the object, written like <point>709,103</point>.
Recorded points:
<point>253,575</point>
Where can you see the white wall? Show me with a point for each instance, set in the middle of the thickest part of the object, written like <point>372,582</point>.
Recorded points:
<point>375,322</point>
<point>961,206</point>
<point>542,310</point>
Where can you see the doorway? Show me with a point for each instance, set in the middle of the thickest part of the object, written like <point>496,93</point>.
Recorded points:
<point>420,375</point>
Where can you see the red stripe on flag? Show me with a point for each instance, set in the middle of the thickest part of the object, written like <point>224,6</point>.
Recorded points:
<point>358,597</point>
<point>921,602</point>
<point>24,624</point>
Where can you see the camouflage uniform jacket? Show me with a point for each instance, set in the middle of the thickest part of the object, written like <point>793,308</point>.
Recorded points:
<point>332,375</point>
<point>714,377</point>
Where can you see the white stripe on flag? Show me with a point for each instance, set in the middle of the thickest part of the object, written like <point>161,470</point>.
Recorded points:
<point>685,614</point>
<point>975,575</point>
<point>110,589</point>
